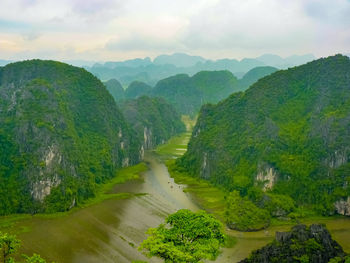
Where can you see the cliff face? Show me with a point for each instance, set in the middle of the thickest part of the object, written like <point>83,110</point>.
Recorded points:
<point>61,133</point>
<point>288,133</point>
<point>153,119</point>
<point>311,244</point>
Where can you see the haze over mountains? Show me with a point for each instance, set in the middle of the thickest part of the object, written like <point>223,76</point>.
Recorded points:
<point>164,66</point>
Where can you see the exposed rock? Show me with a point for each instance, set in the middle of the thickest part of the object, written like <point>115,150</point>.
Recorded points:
<point>343,207</point>
<point>337,159</point>
<point>42,188</point>
<point>312,244</point>
<point>268,175</point>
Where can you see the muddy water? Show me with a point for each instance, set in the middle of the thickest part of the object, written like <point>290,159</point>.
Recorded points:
<point>112,230</point>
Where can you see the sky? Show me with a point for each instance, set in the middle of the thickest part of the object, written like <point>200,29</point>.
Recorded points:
<point>107,30</point>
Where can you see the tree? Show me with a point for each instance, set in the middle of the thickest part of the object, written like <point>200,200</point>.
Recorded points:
<point>8,245</point>
<point>186,237</point>
<point>244,215</point>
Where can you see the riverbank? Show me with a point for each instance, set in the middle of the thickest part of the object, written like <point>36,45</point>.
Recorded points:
<point>212,199</point>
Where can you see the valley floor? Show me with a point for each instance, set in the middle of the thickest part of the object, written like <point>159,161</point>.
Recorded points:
<point>110,228</point>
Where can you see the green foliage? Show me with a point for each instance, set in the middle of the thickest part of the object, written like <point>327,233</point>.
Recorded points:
<point>186,237</point>
<point>188,94</point>
<point>254,75</point>
<point>293,125</point>
<point>115,89</point>
<point>301,244</point>
<point>137,89</point>
<point>154,118</point>
<point>8,246</point>
<point>278,205</point>
<point>59,126</point>
<point>243,215</point>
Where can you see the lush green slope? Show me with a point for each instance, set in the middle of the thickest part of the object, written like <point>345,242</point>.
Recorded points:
<point>289,133</point>
<point>61,134</point>
<point>153,119</point>
<point>115,89</point>
<point>137,89</point>
<point>187,94</point>
<point>254,75</point>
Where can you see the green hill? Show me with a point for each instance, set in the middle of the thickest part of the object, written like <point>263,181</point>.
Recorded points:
<point>254,75</point>
<point>188,94</point>
<point>115,89</point>
<point>153,119</point>
<point>61,134</point>
<point>288,134</point>
<point>137,89</point>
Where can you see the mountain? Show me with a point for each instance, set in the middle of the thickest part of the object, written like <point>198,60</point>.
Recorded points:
<point>61,134</point>
<point>214,85</point>
<point>133,63</point>
<point>165,66</point>
<point>137,89</point>
<point>253,75</point>
<point>312,244</point>
<point>180,60</point>
<point>277,61</point>
<point>288,134</point>
<point>188,94</point>
<point>115,89</point>
<point>153,119</point>
<point>4,62</point>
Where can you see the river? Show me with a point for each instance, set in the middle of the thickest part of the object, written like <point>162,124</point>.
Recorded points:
<point>111,231</point>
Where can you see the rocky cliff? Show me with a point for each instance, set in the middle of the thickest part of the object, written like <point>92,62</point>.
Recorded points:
<point>153,119</point>
<point>311,244</point>
<point>61,133</point>
<point>289,133</point>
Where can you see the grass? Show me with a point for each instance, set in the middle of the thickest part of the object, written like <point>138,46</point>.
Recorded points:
<point>208,196</point>
<point>102,193</point>
<point>177,145</point>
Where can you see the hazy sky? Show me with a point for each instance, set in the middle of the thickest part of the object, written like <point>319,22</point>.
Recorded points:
<point>102,30</point>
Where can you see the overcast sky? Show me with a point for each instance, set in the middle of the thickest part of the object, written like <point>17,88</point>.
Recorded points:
<point>101,30</point>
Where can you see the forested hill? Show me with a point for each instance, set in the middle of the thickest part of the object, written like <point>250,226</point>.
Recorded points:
<point>61,133</point>
<point>188,94</point>
<point>153,119</point>
<point>254,75</point>
<point>289,133</point>
<point>115,89</point>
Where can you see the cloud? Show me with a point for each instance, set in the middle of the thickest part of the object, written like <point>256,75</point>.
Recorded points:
<point>117,29</point>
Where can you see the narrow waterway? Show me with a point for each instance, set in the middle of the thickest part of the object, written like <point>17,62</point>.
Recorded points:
<point>112,230</point>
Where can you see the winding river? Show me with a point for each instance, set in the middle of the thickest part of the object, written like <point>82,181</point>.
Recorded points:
<point>112,230</point>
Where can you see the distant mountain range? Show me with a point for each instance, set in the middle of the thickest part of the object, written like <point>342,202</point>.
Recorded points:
<point>165,66</point>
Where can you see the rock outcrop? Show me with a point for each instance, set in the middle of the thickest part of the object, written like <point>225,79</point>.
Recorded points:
<point>61,133</point>
<point>312,244</point>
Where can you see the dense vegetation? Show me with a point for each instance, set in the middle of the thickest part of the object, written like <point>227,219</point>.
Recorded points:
<point>9,245</point>
<point>137,89</point>
<point>153,119</point>
<point>287,135</point>
<point>61,134</point>
<point>115,89</point>
<point>254,75</point>
<point>188,94</point>
<point>302,244</point>
<point>186,237</point>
